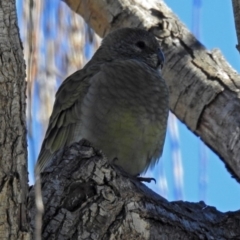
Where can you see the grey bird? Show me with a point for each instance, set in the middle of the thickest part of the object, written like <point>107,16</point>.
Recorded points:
<point>118,102</point>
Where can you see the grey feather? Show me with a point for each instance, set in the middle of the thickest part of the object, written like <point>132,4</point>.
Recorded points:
<point>118,101</point>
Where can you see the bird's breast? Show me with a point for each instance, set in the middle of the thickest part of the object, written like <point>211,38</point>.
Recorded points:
<point>124,113</point>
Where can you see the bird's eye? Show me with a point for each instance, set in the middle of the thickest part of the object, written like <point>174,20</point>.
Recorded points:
<point>140,44</point>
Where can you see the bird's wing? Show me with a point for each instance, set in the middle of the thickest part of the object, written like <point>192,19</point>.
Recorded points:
<point>64,123</point>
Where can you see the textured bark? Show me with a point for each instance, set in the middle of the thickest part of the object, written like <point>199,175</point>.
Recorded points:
<point>204,89</point>
<point>13,146</point>
<point>86,198</point>
<point>236,12</point>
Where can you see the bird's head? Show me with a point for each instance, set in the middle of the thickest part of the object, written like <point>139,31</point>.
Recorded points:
<point>134,43</point>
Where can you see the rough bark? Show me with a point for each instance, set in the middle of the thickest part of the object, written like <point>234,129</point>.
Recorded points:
<point>204,88</point>
<point>13,146</point>
<point>86,198</point>
<point>236,12</point>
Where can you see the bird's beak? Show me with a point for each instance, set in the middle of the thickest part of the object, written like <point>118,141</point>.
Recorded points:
<point>161,58</point>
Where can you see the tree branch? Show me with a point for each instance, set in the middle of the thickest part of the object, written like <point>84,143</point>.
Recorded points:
<point>86,198</point>
<point>204,89</point>
<point>236,12</point>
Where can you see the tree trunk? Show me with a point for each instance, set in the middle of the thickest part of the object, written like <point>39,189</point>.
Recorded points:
<point>13,146</point>
<point>86,198</point>
<point>204,89</point>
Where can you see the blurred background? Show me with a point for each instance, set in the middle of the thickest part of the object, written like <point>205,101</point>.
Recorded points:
<point>57,42</point>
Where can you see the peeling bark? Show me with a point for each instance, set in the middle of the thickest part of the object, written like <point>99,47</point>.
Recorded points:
<point>86,198</point>
<point>204,88</point>
<point>13,145</point>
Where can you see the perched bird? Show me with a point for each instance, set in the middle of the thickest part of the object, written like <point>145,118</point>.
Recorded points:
<point>118,102</point>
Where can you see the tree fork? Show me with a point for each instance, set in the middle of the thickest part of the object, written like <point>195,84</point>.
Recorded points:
<point>87,198</point>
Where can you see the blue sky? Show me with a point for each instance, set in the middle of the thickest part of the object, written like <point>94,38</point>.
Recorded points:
<point>217,30</point>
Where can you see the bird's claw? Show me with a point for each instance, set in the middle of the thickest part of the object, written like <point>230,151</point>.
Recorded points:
<point>146,179</point>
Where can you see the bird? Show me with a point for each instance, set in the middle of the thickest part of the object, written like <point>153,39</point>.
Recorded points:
<point>118,101</point>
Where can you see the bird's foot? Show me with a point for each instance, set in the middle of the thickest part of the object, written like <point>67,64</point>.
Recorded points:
<point>146,179</point>
<point>124,173</point>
